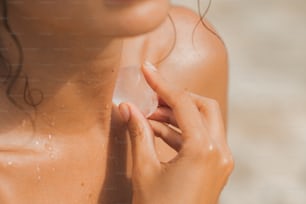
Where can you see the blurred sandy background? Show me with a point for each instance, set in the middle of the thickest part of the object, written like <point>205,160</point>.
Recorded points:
<point>266,41</point>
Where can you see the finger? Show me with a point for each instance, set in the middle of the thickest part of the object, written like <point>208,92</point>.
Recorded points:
<point>210,109</point>
<point>167,134</point>
<point>164,115</point>
<point>185,111</point>
<point>143,150</point>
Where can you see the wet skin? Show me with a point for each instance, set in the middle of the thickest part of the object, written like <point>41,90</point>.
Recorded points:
<point>80,153</point>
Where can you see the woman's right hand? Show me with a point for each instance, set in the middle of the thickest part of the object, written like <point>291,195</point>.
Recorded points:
<point>204,162</point>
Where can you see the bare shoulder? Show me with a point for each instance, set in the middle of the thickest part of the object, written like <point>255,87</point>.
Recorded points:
<point>196,32</point>
<point>191,54</point>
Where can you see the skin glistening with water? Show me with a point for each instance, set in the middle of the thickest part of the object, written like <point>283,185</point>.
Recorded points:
<point>80,152</point>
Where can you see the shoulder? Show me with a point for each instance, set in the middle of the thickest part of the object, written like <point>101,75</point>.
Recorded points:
<point>195,37</point>
<point>189,42</point>
<point>194,30</point>
<point>184,38</point>
<point>191,54</point>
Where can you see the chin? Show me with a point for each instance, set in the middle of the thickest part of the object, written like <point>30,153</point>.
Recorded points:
<point>142,18</point>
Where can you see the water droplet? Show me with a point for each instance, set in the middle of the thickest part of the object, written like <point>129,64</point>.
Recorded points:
<point>52,123</point>
<point>37,142</point>
<point>10,163</point>
<point>38,168</point>
<point>23,123</point>
<point>211,147</point>
<point>48,146</point>
<point>38,172</point>
<point>69,83</point>
<point>49,136</point>
<point>51,155</point>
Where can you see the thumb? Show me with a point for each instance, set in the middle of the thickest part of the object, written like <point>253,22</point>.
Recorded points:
<point>141,135</point>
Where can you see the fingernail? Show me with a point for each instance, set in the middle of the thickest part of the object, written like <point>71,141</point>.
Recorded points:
<point>124,112</point>
<point>149,66</point>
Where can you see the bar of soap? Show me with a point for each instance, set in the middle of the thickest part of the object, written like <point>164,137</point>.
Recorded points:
<point>132,87</point>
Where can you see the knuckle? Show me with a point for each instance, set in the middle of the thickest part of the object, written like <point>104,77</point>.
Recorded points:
<point>208,104</point>
<point>211,154</point>
<point>202,107</point>
<point>228,164</point>
<point>213,103</point>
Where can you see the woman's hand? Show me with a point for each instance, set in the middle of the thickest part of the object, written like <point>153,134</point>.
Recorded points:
<point>193,126</point>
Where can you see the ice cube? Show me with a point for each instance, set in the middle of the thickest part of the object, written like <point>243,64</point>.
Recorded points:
<point>132,87</point>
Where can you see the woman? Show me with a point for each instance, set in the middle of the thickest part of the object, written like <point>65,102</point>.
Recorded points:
<point>62,142</point>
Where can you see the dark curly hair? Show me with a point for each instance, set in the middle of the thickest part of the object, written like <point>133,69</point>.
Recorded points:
<point>10,73</point>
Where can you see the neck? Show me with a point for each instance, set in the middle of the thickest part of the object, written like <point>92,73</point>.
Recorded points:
<point>75,74</point>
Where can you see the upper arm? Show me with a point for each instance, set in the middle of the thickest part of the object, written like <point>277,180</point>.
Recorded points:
<point>198,61</point>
